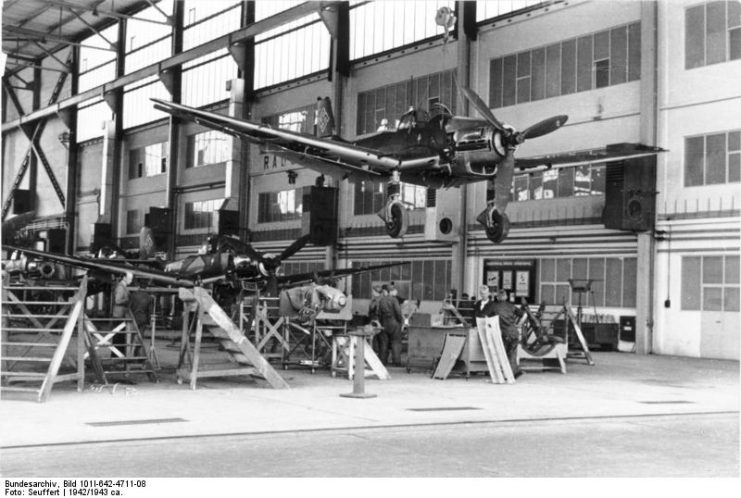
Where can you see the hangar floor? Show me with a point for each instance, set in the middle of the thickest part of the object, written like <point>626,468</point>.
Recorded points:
<point>687,404</point>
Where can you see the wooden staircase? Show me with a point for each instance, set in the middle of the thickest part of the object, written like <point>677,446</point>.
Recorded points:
<point>242,357</point>
<point>38,323</point>
<point>129,356</point>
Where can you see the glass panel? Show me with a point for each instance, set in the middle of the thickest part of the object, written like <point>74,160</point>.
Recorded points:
<point>584,64</point>
<point>598,179</point>
<point>715,159</point>
<point>90,121</point>
<point>613,282</point>
<point>550,184</point>
<point>694,37</point>
<point>618,55</point>
<point>536,186</point>
<point>691,282</point>
<point>538,74</point>
<point>712,299</point>
<point>694,153</point>
<point>601,73</point>
<point>548,294</point>
<point>634,52</point>
<point>566,182</point>
<point>563,293</point>
<point>602,45</point>
<point>563,270</point>
<point>428,279</point>
<point>731,299</point>
<point>579,269</point>
<point>547,270</point>
<point>568,67</point>
<point>715,26</point>
<point>521,188</point>
<point>553,70</point>
<point>495,83</point>
<point>597,274</point>
<point>509,83</point>
<point>630,274</point>
<point>734,167</point>
<point>734,140</point>
<point>712,270</point>
<point>734,44</point>
<point>732,270</point>
<point>582,180</point>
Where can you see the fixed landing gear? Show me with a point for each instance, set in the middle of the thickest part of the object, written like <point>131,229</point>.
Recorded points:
<point>394,213</point>
<point>496,224</point>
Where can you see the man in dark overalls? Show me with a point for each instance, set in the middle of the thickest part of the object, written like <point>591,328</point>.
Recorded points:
<point>389,314</point>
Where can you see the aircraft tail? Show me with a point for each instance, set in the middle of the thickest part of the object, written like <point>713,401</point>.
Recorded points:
<point>324,122</point>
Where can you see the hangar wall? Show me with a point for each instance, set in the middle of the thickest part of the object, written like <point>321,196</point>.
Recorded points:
<point>695,224</point>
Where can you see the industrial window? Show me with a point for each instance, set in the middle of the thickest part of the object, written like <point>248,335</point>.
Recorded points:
<point>613,281</point>
<point>208,148</point>
<point>133,225</point>
<point>279,206</point>
<point>370,197</point>
<point>710,283</point>
<point>150,40</point>
<point>90,119</point>
<point>712,159</point>
<point>298,267</point>
<point>575,181</point>
<point>137,108</point>
<point>148,161</point>
<point>597,60</point>
<point>391,101</point>
<point>380,26</point>
<point>712,33</point>
<point>487,10</point>
<point>200,214</point>
<point>430,279</point>
<point>300,120</point>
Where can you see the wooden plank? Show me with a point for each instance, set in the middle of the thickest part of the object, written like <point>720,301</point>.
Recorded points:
<point>494,336</point>
<point>375,364</point>
<point>196,354</point>
<point>61,350</point>
<point>494,369</point>
<point>452,349</point>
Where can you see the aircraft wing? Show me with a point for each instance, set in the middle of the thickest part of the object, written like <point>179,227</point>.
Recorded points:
<point>328,156</point>
<point>106,267</point>
<point>305,278</point>
<point>612,152</point>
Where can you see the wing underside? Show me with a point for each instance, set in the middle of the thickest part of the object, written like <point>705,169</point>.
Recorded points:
<point>612,152</point>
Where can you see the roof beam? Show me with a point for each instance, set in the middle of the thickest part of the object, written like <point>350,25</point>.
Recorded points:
<point>44,37</point>
<point>292,14</point>
<point>92,28</point>
<point>37,66</point>
<point>156,7</point>
<point>51,54</point>
<point>106,13</point>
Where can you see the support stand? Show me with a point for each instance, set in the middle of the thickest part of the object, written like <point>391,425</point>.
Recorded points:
<point>358,383</point>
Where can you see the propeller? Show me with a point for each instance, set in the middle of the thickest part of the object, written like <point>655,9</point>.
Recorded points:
<point>537,130</point>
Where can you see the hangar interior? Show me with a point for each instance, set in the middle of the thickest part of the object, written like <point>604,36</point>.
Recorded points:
<point>84,149</point>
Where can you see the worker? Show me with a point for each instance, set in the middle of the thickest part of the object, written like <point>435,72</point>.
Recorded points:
<point>121,304</point>
<point>389,314</point>
<point>506,312</point>
<point>485,305</point>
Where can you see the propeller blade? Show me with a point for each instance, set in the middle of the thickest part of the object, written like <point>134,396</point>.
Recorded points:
<point>480,106</point>
<point>544,127</point>
<point>297,245</point>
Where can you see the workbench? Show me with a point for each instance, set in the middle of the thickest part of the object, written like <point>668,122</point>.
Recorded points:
<point>426,343</point>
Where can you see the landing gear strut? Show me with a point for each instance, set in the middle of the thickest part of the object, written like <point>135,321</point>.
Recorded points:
<point>495,222</point>
<point>394,214</point>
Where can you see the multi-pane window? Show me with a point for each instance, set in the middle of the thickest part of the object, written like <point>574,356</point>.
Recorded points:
<point>710,283</point>
<point>613,281</point>
<point>200,214</point>
<point>208,148</point>
<point>297,267</point>
<point>596,60</point>
<point>370,196</point>
<point>380,26</point>
<point>382,107</point>
<point>133,225</point>
<point>279,206</point>
<point>430,279</point>
<point>575,181</point>
<point>712,33</point>
<point>712,159</point>
<point>148,161</point>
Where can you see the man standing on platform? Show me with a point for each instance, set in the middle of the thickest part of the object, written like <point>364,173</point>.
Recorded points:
<point>507,318</point>
<point>485,305</point>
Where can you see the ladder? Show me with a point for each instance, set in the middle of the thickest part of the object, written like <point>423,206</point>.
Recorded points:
<point>38,325</point>
<point>543,321</point>
<point>109,357</point>
<point>259,318</point>
<point>244,358</point>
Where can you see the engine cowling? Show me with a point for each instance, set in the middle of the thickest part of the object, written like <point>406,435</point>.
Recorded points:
<point>477,152</point>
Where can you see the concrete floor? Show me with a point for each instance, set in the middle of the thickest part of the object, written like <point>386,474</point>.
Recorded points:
<point>626,416</point>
